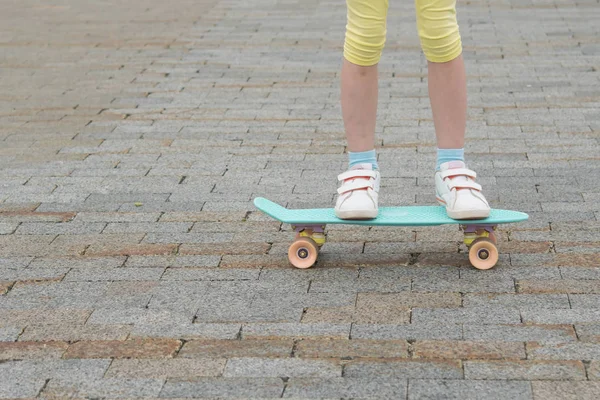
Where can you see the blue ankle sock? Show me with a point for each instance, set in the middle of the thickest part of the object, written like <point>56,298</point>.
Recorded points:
<point>363,157</point>
<point>445,155</point>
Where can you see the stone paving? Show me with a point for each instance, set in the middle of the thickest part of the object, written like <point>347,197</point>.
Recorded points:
<point>133,264</point>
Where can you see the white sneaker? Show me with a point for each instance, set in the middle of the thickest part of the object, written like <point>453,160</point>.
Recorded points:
<point>359,193</point>
<point>456,189</point>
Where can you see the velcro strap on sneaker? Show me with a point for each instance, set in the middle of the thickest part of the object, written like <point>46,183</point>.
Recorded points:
<point>465,185</point>
<point>459,172</point>
<point>355,173</point>
<point>354,185</point>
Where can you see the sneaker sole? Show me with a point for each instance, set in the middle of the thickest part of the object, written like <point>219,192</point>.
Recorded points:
<point>468,214</point>
<point>464,214</point>
<point>357,214</point>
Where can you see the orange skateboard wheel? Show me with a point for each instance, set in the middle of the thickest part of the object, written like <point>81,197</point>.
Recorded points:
<point>303,252</point>
<point>483,254</point>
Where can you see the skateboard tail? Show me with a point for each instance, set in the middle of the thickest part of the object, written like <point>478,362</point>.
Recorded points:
<point>270,208</point>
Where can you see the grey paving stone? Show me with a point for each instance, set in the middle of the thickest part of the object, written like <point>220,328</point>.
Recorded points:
<point>359,285</point>
<point>227,206</point>
<point>72,332</point>
<point>152,207</point>
<point>529,301</point>
<point>9,333</point>
<point>173,261</point>
<point>93,172</point>
<point>206,274</point>
<point>467,284</point>
<point>581,315</point>
<point>520,333</point>
<point>450,369</point>
<point>166,368</point>
<point>77,262</point>
<point>345,388</point>
<point>223,387</point>
<point>486,314</point>
<point>187,331</point>
<point>522,260</point>
<point>516,272</point>
<point>553,390</point>
<point>242,310</point>
<point>132,227</point>
<point>99,216</point>
<point>42,316</point>
<point>127,300</point>
<point>40,274</point>
<point>108,387</point>
<point>588,332</point>
<point>295,275</point>
<point>524,370</point>
<point>48,198</point>
<point>468,390</point>
<point>80,206</point>
<point>567,351</point>
<point>127,197</point>
<point>413,331</point>
<point>68,370</point>
<point>188,237</point>
<point>580,273</point>
<point>178,302</point>
<point>295,330</point>
<point>114,274</point>
<point>7,228</point>
<point>23,386</point>
<point>584,300</point>
<point>279,367</point>
<point>55,295</point>
<point>65,228</point>
<point>15,262</point>
<point>129,316</point>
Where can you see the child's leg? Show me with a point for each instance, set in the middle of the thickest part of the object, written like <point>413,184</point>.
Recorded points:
<point>359,105</point>
<point>440,40</point>
<point>448,96</point>
<point>365,38</point>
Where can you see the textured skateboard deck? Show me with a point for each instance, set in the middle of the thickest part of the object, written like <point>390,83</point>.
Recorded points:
<point>388,216</point>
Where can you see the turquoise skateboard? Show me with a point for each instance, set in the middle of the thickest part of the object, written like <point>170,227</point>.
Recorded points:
<point>309,225</point>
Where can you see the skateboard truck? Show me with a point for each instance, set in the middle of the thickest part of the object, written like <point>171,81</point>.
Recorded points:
<point>315,232</point>
<point>473,232</point>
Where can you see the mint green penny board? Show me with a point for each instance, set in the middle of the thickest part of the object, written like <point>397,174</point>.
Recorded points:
<point>388,216</point>
<point>309,225</point>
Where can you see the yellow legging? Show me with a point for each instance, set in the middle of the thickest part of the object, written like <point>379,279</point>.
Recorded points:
<point>366,30</point>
